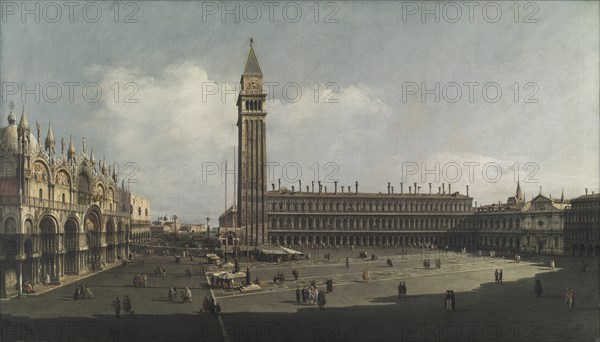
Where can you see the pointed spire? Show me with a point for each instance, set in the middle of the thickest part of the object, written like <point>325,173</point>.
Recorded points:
<point>23,124</point>
<point>71,151</point>
<point>519,193</point>
<point>92,158</point>
<point>12,118</point>
<point>50,143</point>
<point>103,167</point>
<point>252,67</point>
<point>562,196</point>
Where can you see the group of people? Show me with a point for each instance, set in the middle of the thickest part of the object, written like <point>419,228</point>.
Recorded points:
<point>140,280</point>
<point>186,295</point>
<point>295,274</point>
<point>160,270</point>
<point>279,278</point>
<point>116,304</point>
<point>389,262</point>
<point>27,287</point>
<point>450,300</point>
<point>210,305</point>
<point>570,299</point>
<point>498,276</point>
<point>312,295</point>
<point>402,289</point>
<point>82,292</point>
<point>366,275</point>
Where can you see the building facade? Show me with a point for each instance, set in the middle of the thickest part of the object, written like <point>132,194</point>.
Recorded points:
<point>582,226</point>
<point>366,219</point>
<point>62,212</point>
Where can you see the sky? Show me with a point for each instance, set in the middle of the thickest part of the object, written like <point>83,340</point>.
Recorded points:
<point>480,94</point>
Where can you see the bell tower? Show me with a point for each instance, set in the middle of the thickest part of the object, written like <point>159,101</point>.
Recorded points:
<point>252,180</point>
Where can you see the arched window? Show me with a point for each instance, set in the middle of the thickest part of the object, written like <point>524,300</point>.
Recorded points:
<point>247,104</point>
<point>139,211</point>
<point>259,105</point>
<point>63,198</point>
<point>41,194</point>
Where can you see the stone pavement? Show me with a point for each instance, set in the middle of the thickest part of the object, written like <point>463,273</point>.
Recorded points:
<point>361,311</point>
<point>55,316</point>
<point>355,310</point>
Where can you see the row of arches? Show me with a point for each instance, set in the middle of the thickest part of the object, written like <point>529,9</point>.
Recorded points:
<point>323,205</point>
<point>332,223</point>
<point>414,240</point>
<point>253,105</point>
<point>62,187</point>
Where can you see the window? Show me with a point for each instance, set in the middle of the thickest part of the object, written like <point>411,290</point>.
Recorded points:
<point>63,198</point>
<point>41,194</point>
<point>139,211</point>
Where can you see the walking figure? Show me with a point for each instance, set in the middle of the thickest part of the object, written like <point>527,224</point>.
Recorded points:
<point>117,305</point>
<point>538,288</point>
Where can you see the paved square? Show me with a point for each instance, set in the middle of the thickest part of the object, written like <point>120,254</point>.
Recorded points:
<point>355,311</point>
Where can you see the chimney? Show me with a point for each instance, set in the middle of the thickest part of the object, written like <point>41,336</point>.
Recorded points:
<point>313,186</point>
<point>335,187</point>
<point>586,190</point>
<point>443,188</point>
<point>320,187</point>
<point>409,189</point>
<point>388,188</point>
<point>392,190</point>
<point>307,188</point>
<point>342,189</point>
<point>475,204</point>
<point>273,185</point>
<point>450,188</point>
<point>293,189</point>
<point>439,190</point>
<point>401,188</point>
<point>415,188</point>
<point>356,185</point>
<point>430,188</point>
<point>279,181</point>
<point>419,190</point>
<point>299,185</point>
<point>467,190</point>
<point>349,189</point>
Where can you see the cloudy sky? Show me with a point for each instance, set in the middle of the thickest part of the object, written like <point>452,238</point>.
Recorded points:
<point>375,92</point>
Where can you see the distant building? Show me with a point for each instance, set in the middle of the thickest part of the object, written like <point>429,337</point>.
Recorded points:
<point>582,226</point>
<point>61,212</point>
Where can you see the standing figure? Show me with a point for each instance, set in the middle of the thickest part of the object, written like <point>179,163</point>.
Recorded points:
<point>496,275</point>
<point>298,294</point>
<point>126,305</point>
<point>117,306</point>
<point>321,300</point>
<point>76,294</point>
<point>500,277</point>
<point>347,262</point>
<point>538,288</point>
